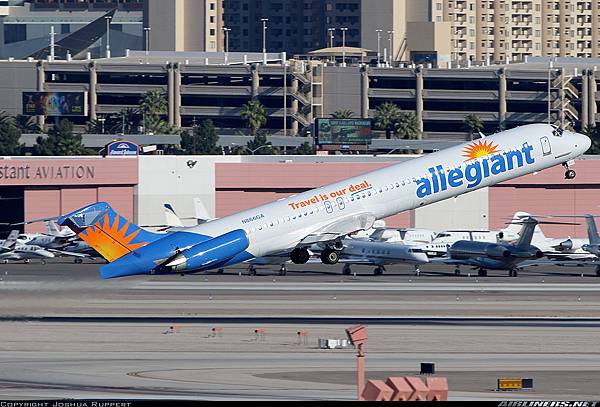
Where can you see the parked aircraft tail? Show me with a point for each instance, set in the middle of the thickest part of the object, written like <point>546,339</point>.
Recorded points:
<point>107,232</point>
<point>592,229</point>
<point>11,242</point>
<point>514,228</point>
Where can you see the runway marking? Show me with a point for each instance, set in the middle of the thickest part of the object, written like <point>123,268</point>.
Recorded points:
<point>351,287</point>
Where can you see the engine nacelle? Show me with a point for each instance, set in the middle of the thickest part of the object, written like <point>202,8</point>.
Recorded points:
<point>209,254</point>
<point>566,245</point>
<point>496,251</point>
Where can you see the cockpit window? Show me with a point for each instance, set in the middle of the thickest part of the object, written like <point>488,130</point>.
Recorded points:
<point>557,131</point>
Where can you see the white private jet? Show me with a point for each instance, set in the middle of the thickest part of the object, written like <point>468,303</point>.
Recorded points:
<point>10,249</point>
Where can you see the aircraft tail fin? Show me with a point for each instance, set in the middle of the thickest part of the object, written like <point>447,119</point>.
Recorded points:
<point>202,215</point>
<point>11,241</point>
<point>172,220</point>
<point>53,228</point>
<point>107,232</point>
<point>514,228</point>
<point>592,229</point>
<point>527,230</point>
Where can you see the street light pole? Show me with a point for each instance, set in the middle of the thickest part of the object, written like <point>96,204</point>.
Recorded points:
<point>226,31</point>
<point>147,33</point>
<point>391,33</point>
<point>108,19</point>
<point>378,46</point>
<point>331,36</point>
<point>264,39</point>
<point>344,29</point>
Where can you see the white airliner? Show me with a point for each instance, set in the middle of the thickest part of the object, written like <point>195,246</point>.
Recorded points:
<point>327,214</point>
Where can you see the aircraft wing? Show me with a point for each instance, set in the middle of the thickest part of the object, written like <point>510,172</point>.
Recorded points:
<point>340,228</point>
<point>69,254</point>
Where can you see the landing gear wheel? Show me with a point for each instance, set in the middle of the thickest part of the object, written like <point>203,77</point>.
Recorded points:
<point>78,261</point>
<point>417,271</point>
<point>457,272</point>
<point>330,256</point>
<point>379,271</point>
<point>300,256</point>
<point>482,273</point>
<point>514,273</point>
<point>43,261</point>
<point>283,270</point>
<point>570,174</point>
<point>346,270</point>
<point>220,271</point>
<point>252,271</point>
<point>27,261</point>
<point>598,271</point>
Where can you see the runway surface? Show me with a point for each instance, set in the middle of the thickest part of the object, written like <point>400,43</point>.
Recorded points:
<point>66,333</point>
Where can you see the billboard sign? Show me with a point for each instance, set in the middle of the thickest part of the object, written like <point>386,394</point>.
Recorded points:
<point>54,104</point>
<point>343,131</point>
<point>122,149</point>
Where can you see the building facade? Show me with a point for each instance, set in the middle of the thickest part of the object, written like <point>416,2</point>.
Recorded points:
<point>184,25</point>
<point>512,30</point>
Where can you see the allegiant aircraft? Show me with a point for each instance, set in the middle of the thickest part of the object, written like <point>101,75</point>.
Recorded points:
<point>325,215</point>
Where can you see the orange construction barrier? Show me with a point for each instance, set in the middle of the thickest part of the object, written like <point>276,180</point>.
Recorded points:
<point>402,390</point>
<point>377,390</point>
<point>420,389</point>
<point>438,389</point>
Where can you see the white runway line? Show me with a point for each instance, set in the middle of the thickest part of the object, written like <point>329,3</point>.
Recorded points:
<point>353,287</point>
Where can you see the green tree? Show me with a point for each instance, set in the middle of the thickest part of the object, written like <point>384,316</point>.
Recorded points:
<point>473,124</point>
<point>407,126</point>
<point>60,141</point>
<point>260,146</point>
<point>304,149</point>
<point>386,117</point>
<point>593,132</point>
<point>10,136</point>
<point>255,116</point>
<point>27,124</point>
<point>201,140</point>
<point>153,109</point>
<point>342,114</point>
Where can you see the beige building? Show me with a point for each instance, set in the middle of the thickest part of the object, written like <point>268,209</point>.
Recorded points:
<point>184,25</point>
<point>406,28</point>
<point>501,30</point>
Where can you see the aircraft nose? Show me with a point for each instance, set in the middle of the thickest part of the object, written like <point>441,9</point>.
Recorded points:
<point>582,143</point>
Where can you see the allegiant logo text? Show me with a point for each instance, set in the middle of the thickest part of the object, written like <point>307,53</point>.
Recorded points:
<point>474,172</point>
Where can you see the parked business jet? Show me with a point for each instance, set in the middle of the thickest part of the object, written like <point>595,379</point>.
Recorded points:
<point>495,256</point>
<point>11,249</point>
<point>327,214</point>
<point>379,254</point>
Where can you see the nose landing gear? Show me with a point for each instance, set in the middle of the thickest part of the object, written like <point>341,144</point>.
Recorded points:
<point>569,173</point>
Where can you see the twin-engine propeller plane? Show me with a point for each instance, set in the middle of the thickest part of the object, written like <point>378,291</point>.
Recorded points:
<point>325,215</point>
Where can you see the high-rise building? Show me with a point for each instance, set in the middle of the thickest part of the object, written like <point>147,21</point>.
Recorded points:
<point>501,30</point>
<point>184,25</point>
<point>294,26</point>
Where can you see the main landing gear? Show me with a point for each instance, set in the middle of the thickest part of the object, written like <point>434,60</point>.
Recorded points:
<point>330,256</point>
<point>482,272</point>
<point>569,173</point>
<point>379,271</point>
<point>513,273</point>
<point>300,255</point>
<point>417,271</point>
<point>283,270</point>
<point>252,270</point>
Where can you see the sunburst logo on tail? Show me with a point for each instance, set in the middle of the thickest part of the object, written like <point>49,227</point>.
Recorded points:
<point>481,148</point>
<point>109,240</point>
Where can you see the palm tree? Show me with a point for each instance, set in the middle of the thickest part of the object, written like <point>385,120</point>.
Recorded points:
<point>473,124</point>
<point>342,114</point>
<point>386,117</point>
<point>407,126</point>
<point>27,124</point>
<point>154,103</point>
<point>255,116</point>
